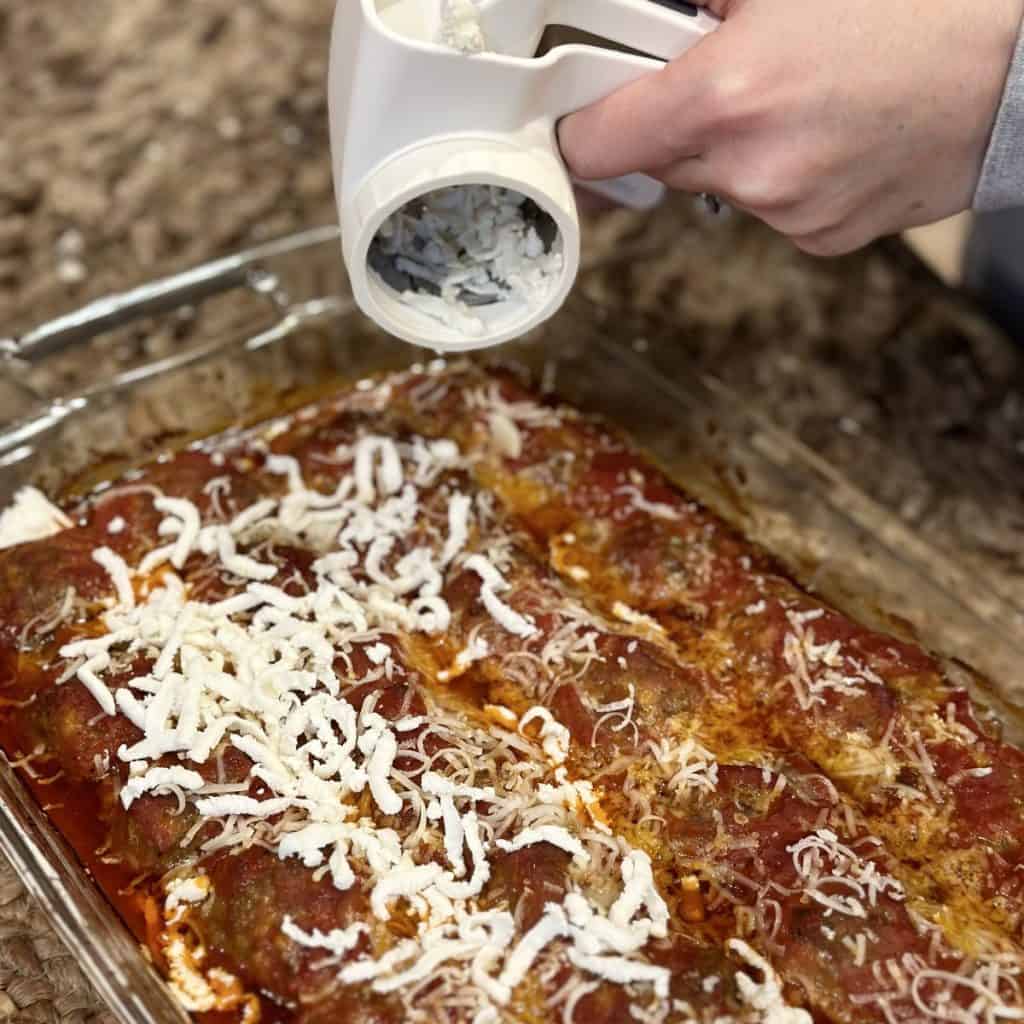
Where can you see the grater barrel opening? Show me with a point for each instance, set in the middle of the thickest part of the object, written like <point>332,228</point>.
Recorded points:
<point>469,257</point>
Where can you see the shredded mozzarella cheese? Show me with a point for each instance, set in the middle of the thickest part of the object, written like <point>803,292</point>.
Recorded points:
<point>31,516</point>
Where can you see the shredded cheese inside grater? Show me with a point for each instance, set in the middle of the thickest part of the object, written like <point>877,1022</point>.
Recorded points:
<point>456,250</point>
<point>460,26</point>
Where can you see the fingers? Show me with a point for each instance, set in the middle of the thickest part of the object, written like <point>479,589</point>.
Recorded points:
<point>759,114</point>
<point>647,125</point>
<point>693,174</point>
<point>818,223</point>
<point>831,243</point>
<point>826,229</point>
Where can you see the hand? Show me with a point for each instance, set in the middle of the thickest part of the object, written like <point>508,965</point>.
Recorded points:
<point>834,121</point>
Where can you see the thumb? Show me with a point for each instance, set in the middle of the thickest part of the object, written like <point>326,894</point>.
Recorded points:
<point>648,124</point>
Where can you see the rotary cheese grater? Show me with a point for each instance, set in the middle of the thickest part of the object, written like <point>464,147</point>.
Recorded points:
<point>412,113</point>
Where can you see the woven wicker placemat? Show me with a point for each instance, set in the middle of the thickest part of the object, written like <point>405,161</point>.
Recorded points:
<point>40,981</point>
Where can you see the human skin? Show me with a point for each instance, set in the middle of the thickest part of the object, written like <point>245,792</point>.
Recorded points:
<point>834,122</point>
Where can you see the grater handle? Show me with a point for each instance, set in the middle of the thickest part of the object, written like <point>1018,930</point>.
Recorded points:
<point>663,29</point>
<point>581,74</point>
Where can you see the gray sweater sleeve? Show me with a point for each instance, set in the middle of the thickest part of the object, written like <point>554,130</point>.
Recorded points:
<point>1002,176</point>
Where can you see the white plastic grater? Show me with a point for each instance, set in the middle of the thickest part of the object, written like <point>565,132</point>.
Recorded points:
<point>410,116</point>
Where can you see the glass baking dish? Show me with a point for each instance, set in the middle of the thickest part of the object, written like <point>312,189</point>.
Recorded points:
<point>273,327</point>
